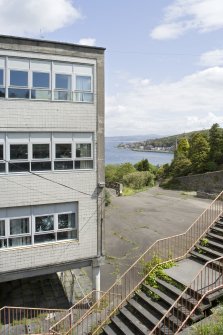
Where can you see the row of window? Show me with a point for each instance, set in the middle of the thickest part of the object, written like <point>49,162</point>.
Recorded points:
<point>37,229</point>
<point>27,79</point>
<point>44,154</point>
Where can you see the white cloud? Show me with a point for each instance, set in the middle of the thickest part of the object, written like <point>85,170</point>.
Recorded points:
<point>184,15</point>
<point>34,16</point>
<point>194,102</point>
<point>87,41</point>
<point>212,58</point>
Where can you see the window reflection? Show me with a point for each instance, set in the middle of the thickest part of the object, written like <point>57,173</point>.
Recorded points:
<point>41,80</point>
<point>18,78</point>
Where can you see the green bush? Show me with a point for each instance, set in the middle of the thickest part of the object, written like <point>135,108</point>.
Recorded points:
<point>137,180</point>
<point>107,198</point>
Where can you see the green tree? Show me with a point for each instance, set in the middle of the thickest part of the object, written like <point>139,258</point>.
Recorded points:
<point>144,165</point>
<point>216,144</point>
<point>111,173</point>
<point>181,166</point>
<point>199,153</point>
<point>122,170</point>
<point>182,147</point>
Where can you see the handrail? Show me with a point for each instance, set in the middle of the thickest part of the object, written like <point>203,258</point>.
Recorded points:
<point>195,293</point>
<point>171,248</point>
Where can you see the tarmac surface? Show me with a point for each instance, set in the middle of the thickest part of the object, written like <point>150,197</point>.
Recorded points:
<point>133,223</point>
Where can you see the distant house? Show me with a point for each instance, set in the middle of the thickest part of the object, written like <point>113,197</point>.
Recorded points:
<point>51,157</point>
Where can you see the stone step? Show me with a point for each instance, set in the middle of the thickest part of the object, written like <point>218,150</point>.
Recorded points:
<point>215,236</point>
<point>215,244</point>
<point>202,257</point>
<point>217,229</point>
<point>151,303</point>
<point>143,312</point>
<point>121,326</point>
<point>211,251</point>
<point>170,301</point>
<point>134,322</point>
<point>107,330</point>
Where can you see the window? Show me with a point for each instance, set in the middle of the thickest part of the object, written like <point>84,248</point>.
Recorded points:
<point>18,80</point>
<point>2,163</point>
<point>83,150</point>
<point>83,89</point>
<point>40,86</point>
<point>38,224</point>
<point>19,231</point>
<point>62,87</point>
<point>2,88</point>
<point>45,151</point>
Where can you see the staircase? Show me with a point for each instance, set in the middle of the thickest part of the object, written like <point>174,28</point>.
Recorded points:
<point>143,312</point>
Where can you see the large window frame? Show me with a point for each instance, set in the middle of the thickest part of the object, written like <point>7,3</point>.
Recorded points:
<point>31,237</point>
<point>51,93</point>
<point>55,161</point>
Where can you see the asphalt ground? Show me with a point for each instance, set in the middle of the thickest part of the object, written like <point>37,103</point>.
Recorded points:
<point>133,223</point>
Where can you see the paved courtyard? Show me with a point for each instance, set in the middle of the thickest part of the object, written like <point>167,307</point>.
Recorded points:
<point>134,223</point>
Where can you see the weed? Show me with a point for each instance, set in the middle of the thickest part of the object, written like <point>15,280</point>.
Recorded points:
<point>204,242</point>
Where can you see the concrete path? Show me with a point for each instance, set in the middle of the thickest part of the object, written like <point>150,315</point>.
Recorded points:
<point>134,223</point>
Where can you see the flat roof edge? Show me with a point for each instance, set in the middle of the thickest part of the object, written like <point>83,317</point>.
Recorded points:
<point>51,42</point>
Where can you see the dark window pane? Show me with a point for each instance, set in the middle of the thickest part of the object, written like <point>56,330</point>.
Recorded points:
<point>40,166</point>
<point>18,151</point>
<point>2,167</point>
<point>41,151</point>
<point>41,94</point>
<point>2,227</point>
<point>63,150</point>
<point>3,243</point>
<point>2,92</point>
<point>15,242</point>
<point>19,226</point>
<point>44,223</point>
<point>66,221</point>
<point>18,93</point>
<point>41,79</point>
<point>18,167</point>
<point>63,165</point>
<point>1,152</point>
<point>18,78</point>
<point>83,150</point>
<point>66,235</point>
<point>83,83</point>
<point>62,95</point>
<point>1,77</point>
<point>44,238</point>
<point>63,81</point>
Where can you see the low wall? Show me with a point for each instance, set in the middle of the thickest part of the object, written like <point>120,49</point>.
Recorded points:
<point>210,182</point>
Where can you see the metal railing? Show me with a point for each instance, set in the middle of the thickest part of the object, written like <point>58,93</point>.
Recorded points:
<point>25,320</point>
<point>208,280</point>
<point>172,248</point>
<point>64,325</point>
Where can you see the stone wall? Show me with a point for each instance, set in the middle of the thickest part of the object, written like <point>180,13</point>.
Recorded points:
<point>210,182</point>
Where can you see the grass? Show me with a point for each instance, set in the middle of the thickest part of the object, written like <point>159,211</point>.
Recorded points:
<point>212,327</point>
<point>127,191</point>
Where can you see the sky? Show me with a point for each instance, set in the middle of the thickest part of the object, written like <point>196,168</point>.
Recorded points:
<point>163,59</point>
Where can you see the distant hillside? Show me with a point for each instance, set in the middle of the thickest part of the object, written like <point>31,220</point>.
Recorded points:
<point>129,138</point>
<point>166,143</point>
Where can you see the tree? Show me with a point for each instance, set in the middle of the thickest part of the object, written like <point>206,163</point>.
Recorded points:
<point>144,165</point>
<point>122,170</point>
<point>181,166</point>
<point>199,153</point>
<point>182,147</point>
<point>216,144</point>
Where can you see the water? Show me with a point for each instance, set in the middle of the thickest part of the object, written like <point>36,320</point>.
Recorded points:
<point>114,155</point>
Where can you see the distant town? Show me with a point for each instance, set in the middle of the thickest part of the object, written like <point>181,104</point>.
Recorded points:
<point>144,146</point>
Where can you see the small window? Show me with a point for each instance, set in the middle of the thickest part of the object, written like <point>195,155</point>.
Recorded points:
<point>19,226</point>
<point>41,80</point>
<point>63,150</point>
<point>66,235</point>
<point>63,165</point>
<point>44,238</point>
<point>18,78</point>
<point>83,83</point>
<point>1,77</point>
<point>63,82</point>
<point>41,151</point>
<point>66,221</point>
<point>1,152</point>
<point>19,241</point>
<point>83,150</point>
<point>19,93</point>
<point>19,167</point>
<point>2,227</point>
<point>19,151</point>
<point>83,165</point>
<point>41,166</point>
<point>44,223</point>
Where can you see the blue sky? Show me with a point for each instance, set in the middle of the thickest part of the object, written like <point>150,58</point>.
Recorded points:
<point>163,58</point>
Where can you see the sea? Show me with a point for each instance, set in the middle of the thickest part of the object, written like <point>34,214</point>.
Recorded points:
<point>115,155</point>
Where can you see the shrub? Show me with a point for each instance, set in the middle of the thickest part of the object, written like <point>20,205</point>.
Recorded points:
<point>107,198</point>
<point>139,180</point>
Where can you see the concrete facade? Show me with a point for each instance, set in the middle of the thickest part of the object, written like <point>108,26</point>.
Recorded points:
<point>82,187</point>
